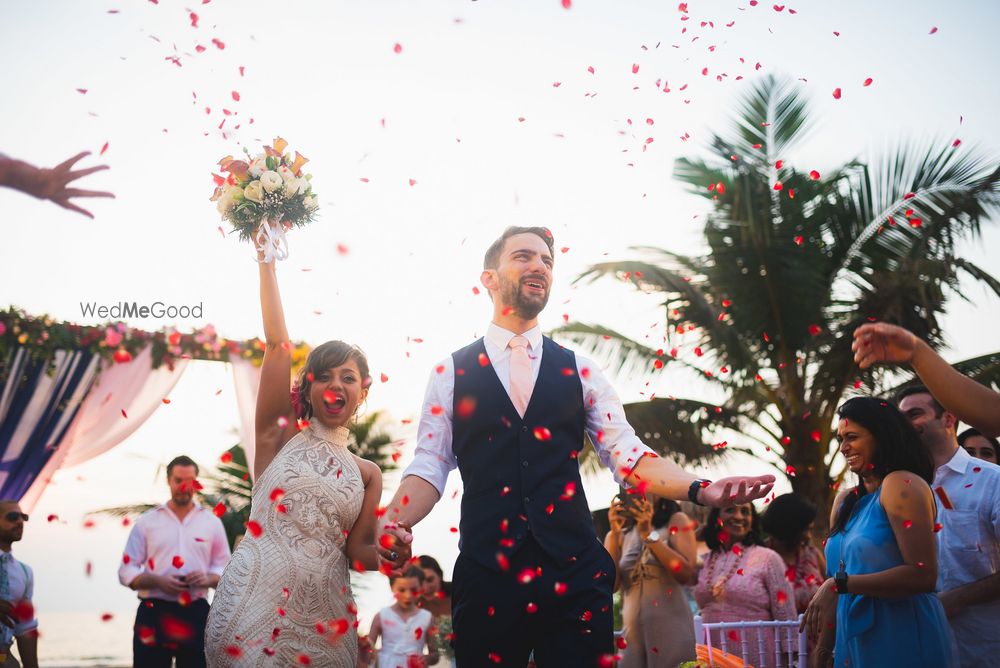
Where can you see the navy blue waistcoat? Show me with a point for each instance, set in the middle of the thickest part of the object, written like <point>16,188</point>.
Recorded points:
<point>519,474</point>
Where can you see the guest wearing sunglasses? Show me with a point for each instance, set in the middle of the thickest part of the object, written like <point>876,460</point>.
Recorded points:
<point>17,582</point>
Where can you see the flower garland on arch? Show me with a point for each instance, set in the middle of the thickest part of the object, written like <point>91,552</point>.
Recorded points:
<point>43,335</point>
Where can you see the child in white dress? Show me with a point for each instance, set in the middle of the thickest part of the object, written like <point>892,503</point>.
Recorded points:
<point>404,628</point>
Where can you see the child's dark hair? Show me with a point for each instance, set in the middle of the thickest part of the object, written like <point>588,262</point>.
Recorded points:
<point>412,571</point>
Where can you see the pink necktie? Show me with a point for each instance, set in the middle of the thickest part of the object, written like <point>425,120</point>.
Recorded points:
<point>521,377</point>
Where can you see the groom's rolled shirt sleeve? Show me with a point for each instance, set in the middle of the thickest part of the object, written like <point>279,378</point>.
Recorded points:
<point>618,447</point>
<point>434,459</point>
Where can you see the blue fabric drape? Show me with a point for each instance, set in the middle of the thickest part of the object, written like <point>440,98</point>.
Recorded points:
<point>41,396</point>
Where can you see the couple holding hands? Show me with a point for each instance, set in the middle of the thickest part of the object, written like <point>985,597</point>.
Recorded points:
<point>510,411</point>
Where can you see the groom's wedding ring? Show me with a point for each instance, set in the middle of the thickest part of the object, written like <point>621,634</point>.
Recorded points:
<point>393,556</point>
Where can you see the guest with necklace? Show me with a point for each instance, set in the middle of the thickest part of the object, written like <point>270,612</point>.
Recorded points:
<point>742,580</point>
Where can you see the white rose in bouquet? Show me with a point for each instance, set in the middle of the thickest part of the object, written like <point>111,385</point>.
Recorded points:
<point>271,181</point>
<point>310,202</point>
<point>230,197</point>
<point>286,174</point>
<point>254,192</point>
<point>296,187</point>
<point>257,167</point>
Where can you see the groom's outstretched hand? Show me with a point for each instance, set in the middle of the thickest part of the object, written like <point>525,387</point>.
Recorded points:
<point>393,546</point>
<point>736,490</point>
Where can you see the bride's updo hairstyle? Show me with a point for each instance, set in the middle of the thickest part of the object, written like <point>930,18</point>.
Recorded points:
<point>322,358</point>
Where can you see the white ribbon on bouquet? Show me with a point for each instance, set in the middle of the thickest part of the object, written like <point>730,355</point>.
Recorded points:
<point>271,241</point>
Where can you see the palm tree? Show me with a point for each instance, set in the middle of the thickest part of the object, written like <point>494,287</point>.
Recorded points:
<point>228,490</point>
<point>794,263</point>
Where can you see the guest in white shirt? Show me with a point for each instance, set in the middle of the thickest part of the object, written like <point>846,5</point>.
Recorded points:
<point>967,492</point>
<point>17,584</point>
<point>174,554</point>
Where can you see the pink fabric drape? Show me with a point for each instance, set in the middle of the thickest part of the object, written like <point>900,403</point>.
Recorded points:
<point>134,387</point>
<point>246,378</point>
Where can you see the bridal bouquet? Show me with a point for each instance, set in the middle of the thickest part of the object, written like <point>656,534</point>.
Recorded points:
<point>263,196</point>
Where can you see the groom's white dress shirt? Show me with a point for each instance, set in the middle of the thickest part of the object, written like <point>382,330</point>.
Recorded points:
<point>617,445</point>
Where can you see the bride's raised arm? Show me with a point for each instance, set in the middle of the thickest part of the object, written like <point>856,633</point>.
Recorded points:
<point>275,418</point>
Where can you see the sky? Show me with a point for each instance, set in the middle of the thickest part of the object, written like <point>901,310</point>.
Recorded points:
<point>490,109</point>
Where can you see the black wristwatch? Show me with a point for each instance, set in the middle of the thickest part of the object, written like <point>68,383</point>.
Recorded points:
<point>696,487</point>
<point>840,579</point>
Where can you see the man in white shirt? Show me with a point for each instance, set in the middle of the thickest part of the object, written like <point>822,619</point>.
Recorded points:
<point>17,585</point>
<point>174,554</point>
<point>967,492</point>
<point>510,411</point>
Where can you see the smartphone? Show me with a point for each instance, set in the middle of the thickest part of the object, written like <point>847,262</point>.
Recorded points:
<point>629,500</point>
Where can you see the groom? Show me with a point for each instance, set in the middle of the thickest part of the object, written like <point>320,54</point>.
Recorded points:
<point>510,411</point>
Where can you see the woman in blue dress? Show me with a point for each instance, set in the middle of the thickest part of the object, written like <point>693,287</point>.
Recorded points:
<point>881,554</point>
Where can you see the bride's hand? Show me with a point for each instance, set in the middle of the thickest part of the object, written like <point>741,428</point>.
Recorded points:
<point>393,545</point>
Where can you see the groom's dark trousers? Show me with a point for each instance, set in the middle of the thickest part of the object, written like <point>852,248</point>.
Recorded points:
<point>531,574</point>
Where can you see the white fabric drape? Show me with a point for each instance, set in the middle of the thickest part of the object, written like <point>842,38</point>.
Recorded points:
<point>246,378</point>
<point>134,387</point>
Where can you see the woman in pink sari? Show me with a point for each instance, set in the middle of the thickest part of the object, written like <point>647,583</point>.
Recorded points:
<point>741,580</point>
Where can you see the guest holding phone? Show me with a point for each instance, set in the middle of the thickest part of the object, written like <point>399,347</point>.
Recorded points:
<point>653,545</point>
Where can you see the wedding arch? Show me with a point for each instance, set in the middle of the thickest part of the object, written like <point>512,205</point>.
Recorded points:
<point>69,392</point>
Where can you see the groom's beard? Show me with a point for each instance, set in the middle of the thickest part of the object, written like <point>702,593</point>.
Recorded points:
<point>525,306</point>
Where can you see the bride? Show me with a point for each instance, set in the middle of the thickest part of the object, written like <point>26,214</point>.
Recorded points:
<point>285,597</point>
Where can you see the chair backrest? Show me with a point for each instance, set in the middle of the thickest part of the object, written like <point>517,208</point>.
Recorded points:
<point>750,641</point>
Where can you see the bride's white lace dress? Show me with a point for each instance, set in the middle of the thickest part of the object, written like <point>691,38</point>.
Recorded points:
<point>286,594</point>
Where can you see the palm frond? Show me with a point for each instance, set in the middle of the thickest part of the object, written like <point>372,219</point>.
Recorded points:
<point>629,358</point>
<point>371,440</point>
<point>984,369</point>
<point>978,273</point>
<point>683,429</point>
<point>130,511</point>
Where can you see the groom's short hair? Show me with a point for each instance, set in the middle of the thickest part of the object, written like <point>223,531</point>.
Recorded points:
<point>492,258</point>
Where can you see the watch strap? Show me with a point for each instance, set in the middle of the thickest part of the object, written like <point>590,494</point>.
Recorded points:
<point>696,487</point>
